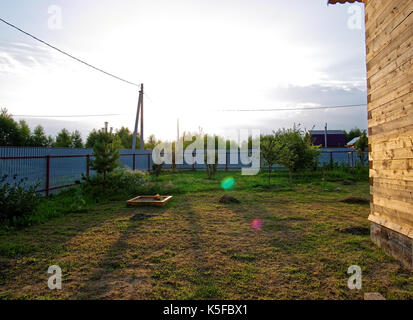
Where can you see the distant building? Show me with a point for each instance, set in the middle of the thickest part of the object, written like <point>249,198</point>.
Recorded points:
<point>329,138</point>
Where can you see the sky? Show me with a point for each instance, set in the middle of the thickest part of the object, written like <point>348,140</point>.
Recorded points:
<point>196,58</point>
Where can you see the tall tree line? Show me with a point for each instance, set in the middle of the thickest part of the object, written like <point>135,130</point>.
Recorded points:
<point>18,134</point>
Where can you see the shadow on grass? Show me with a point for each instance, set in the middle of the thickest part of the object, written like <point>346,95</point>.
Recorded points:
<point>30,251</point>
<point>100,282</point>
<point>206,288</point>
<point>51,236</point>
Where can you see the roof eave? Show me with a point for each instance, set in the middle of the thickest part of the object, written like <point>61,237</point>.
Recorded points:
<point>344,1</point>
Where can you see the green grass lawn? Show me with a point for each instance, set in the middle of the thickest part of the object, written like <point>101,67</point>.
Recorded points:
<point>303,242</point>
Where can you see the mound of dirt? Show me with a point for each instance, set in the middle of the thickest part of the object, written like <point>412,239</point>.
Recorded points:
<point>140,216</point>
<point>348,182</point>
<point>356,200</point>
<point>362,231</point>
<point>228,199</point>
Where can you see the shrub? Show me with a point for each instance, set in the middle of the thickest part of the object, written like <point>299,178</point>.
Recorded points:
<point>118,183</point>
<point>130,180</point>
<point>17,201</point>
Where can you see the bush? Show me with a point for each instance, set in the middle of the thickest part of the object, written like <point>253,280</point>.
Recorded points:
<point>130,180</point>
<point>17,202</point>
<point>117,183</point>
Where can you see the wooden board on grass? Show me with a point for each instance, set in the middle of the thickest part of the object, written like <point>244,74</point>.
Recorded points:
<point>148,201</point>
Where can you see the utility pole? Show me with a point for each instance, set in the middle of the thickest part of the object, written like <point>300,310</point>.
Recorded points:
<point>177,129</point>
<point>142,146</point>
<point>135,132</point>
<point>325,137</point>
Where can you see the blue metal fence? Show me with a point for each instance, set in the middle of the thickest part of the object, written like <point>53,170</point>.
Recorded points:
<point>57,168</point>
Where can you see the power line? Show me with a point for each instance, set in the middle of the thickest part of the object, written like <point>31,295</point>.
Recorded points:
<point>233,110</point>
<point>66,116</point>
<point>69,55</point>
<point>295,109</point>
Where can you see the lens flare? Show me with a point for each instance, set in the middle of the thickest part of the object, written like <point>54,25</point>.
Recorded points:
<point>228,183</point>
<point>256,224</point>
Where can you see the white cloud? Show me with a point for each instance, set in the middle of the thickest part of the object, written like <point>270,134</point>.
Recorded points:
<point>194,57</point>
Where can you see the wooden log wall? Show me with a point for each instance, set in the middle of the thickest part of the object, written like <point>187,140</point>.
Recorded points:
<point>389,33</point>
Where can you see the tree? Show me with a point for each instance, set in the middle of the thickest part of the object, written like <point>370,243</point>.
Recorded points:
<point>211,168</point>
<point>125,137</point>
<point>5,113</point>
<point>353,133</point>
<point>295,150</point>
<point>152,142</point>
<point>25,133</point>
<point>19,134</point>
<point>269,150</point>
<point>10,134</point>
<point>76,140</point>
<point>92,138</point>
<point>63,139</point>
<point>106,153</point>
<point>361,147</point>
<point>38,138</point>
<point>50,141</point>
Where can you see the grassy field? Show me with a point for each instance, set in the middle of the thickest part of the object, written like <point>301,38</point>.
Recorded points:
<point>278,243</point>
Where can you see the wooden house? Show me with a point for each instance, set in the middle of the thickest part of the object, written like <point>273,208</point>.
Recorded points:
<point>389,33</point>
